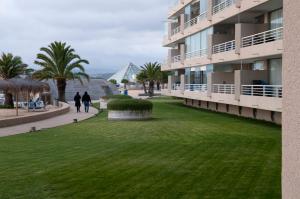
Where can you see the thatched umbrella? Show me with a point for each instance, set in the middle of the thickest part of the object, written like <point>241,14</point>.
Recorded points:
<point>19,85</point>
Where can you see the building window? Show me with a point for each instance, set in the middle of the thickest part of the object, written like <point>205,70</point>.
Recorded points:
<point>258,65</point>
<point>276,19</point>
<point>275,67</point>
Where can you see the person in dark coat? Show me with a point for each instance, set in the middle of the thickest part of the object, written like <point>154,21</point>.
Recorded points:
<point>77,99</point>
<point>86,100</point>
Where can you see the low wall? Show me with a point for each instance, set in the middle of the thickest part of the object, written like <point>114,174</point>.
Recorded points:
<point>129,115</point>
<point>63,109</point>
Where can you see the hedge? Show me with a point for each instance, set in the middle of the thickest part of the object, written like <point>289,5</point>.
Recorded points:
<point>6,107</point>
<point>130,104</point>
<point>112,97</point>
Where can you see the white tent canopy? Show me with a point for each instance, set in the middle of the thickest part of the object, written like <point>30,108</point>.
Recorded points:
<point>129,72</point>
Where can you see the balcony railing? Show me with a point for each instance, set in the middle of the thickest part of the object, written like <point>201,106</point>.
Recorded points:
<point>264,37</point>
<point>224,88</point>
<point>262,90</point>
<point>176,59</point>
<point>195,20</point>
<point>221,6</point>
<point>196,87</point>
<point>223,47</point>
<point>197,53</point>
<point>176,87</point>
<point>175,30</point>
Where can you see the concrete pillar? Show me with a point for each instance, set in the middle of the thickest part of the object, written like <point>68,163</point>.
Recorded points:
<point>209,84</point>
<point>170,83</point>
<point>182,21</point>
<point>210,47</point>
<point>182,52</point>
<point>209,9</point>
<point>182,83</point>
<point>237,84</point>
<point>291,96</point>
<point>169,57</point>
<point>238,38</point>
<point>169,30</point>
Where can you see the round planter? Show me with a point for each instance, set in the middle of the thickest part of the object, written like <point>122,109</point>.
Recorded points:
<point>129,115</point>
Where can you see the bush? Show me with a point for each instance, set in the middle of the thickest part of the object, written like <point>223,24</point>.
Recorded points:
<point>120,97</point>
<point>6,107</point>
<point>130,104</point>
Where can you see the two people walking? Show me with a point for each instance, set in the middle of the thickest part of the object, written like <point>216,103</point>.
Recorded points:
<point>86,100</point>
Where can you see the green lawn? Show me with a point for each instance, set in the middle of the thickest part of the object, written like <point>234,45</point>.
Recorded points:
<point>182,153</point>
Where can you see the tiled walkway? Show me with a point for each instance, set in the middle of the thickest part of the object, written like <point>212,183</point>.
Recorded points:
<point>49,123</point>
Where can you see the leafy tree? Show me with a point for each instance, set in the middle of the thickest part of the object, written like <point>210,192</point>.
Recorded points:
<point>142,79</point>
<point>11,66</point>
<point>113,81</point>
<point>60,63</point>
<point>125,82</point>
<point>153,73</point>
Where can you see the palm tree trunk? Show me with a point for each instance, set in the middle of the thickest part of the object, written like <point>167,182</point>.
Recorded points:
<point>151,88</point>
<point>61,88</point>
<point>144,86</point>
<point>9,99</point>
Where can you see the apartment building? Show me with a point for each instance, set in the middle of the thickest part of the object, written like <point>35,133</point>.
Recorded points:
<point>226,56</point>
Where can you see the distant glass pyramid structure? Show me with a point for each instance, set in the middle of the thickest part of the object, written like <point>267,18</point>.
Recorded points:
<point>129,72</point>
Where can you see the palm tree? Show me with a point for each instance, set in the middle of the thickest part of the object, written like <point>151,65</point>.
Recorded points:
<point>60,63</point>
<point>153,73</point>
<point>113,81</point>
<point>142,79</point>
<point>11,66</point>
<point>125,82</point>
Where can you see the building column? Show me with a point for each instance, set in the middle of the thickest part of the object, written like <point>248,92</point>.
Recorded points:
<point>182,83</point>
<point>209,9</point>
<point>182,21</point>
<point>209,84</point>
<point>169,57</point>
<point>237,84</point>
<point>291,105</point>
<point>210,47</point>
<point>170,83</point>
<point>238,38</point>
<point>182,53</point>
<point>169,30</point>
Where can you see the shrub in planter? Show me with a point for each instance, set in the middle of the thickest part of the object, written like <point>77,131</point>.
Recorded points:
<point>129,109</point>
<point>6,107</point>
<point>104,100</point>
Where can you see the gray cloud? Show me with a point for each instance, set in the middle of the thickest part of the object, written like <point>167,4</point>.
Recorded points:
<point>107,33</point>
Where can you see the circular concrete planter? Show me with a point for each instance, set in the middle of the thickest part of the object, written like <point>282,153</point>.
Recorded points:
<point>129,115</point>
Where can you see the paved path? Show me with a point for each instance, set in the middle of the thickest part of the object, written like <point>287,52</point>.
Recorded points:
<point>49,123</point>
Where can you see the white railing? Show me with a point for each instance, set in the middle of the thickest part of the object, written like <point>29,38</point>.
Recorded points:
<point>198,53</point>
<point>264,37</point>
<point>175,30</point>
<point>196,87</point>
<point>195,20</point>
<point>176,59</point>
<point>224,88</point>
<point>262,90</point>
<point>223,47</point>
<point>221,6</point>
<point>176,87</point>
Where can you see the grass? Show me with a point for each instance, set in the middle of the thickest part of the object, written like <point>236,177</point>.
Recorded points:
<point>182,153</point>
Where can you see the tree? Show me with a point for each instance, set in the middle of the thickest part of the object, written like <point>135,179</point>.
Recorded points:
<point>113,81</point>
<point>11,66</point>
<point>125,82</point>
<point>60,63</point>
<point>153,73</point>
<point>142,79</point>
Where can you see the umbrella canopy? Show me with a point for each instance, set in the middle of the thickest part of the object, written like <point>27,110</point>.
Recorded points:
<point>23,85</point>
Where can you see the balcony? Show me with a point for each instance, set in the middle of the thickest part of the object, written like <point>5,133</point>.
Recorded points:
<point>176,59</point>
<point>262,90</point>
<point>224,47</point>
<point>223,88</point>
<point>175,30</point>
<point>197,53</point>
<point>195,20</point>
<point>222,6</point>
<point>196,87</point>
<point>264,37</point>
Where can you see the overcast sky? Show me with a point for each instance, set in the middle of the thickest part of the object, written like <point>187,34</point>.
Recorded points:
<point>108,33</point>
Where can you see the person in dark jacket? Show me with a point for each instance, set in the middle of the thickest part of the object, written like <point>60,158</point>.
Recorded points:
<point>77,99</point>
<point>86,100</point>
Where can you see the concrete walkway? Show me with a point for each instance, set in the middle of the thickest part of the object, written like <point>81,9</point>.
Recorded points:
<point>49,123</point>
